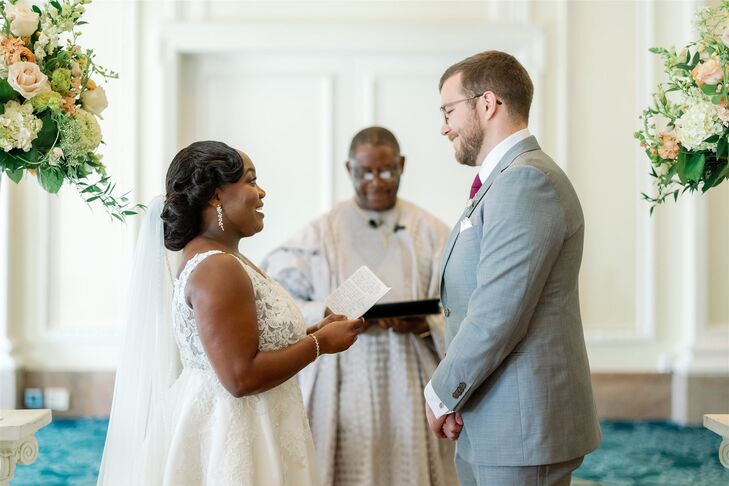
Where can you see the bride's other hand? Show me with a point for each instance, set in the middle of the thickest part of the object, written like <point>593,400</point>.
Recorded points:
<point>329,319</point>
<point>338,334</point>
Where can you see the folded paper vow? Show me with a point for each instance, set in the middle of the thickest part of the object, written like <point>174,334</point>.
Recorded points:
<point>357,294</point>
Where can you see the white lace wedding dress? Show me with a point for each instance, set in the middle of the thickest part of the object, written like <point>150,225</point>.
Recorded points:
<point>202,435</point>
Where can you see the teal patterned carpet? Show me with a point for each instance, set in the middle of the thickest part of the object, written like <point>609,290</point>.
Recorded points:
<point>632,453</point>
<point>655,454</point>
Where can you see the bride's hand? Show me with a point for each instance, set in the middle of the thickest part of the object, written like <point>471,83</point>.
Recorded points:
<point>338,334</point>
<point>328,319</point>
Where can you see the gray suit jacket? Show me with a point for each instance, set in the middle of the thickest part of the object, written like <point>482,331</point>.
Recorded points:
<point>516,365</point>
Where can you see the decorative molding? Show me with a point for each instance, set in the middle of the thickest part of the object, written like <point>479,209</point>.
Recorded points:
<point>197,9</point>
<point>643,329</point>
<point>40,341</point>
<point>327,142</point>
<point>516,11</point>
<point>645,229</point>
<point>7,361</point>
<point>369,100</point>
<point>563,86</point>
<point>207,37</point>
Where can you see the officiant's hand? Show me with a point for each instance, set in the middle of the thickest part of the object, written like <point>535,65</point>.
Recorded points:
<point>338,333</point>
<point>412,324</point>
<point>384,323</point>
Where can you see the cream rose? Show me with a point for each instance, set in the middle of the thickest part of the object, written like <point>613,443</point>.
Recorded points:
<point>23,21</point>
<point>708,72</point>
<point>94,100</point>
<point>27,79</point>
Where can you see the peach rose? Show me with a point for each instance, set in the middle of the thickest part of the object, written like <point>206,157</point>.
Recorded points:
<point>27,79</point>
<point>709,72</point>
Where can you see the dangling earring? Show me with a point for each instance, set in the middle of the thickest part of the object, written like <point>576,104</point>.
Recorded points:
<point>219,208</point>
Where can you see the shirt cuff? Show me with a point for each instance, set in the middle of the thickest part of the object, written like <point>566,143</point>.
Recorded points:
<point>436,405</point>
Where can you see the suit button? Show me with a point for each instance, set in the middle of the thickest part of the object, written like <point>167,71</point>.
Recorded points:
<point>447,312</point>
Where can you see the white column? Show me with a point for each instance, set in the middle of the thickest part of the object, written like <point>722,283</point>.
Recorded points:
<point>7,363</point>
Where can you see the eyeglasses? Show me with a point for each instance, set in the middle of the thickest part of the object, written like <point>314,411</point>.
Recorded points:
<point>386,175</point>
<point>448,105</point>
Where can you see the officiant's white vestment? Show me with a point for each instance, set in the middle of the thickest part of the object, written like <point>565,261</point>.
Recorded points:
<point>365,405</point>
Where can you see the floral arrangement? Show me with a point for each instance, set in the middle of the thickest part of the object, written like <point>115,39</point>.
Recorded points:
<point>49,103</point>
<point>685,131</point>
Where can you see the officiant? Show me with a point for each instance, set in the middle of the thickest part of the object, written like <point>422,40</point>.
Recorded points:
<point>365,405</point>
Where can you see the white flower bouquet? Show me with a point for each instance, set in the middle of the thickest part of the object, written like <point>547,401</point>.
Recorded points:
<point>49,102</point>
<point>685,132</point>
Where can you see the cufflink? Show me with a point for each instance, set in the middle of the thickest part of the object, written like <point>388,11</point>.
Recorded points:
<point>440,405</point>
<point>459,390</point>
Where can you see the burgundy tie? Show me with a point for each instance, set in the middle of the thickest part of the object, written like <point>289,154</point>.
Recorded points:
<point>475,186</point>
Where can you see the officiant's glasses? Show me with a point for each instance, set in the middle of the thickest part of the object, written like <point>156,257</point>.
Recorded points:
<point>444,109</point>
<point>368,175</point>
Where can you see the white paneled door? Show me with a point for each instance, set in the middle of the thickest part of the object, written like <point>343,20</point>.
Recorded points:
<point>293,105</point>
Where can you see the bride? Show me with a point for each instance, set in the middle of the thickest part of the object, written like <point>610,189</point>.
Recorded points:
<point>234,414</point>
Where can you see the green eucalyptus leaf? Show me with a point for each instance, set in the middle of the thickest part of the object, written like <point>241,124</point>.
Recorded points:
<point>681,167</point>
<point>712,139</point>
<point>709,89</point>
<point>721,147</point>
<point>7,92</point>
<point>694,60</point>
<point>50,178</point>
<point>35,9</point>
<point>15,175</point>
<point>716,178</point>
<point>695,167</point>
<point>47,135</point>
<point>8,162</point>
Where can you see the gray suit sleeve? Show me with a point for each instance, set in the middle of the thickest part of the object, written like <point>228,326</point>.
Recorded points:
<point>523,231</point>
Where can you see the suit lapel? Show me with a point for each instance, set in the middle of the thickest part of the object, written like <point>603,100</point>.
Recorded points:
<point>527,145</point>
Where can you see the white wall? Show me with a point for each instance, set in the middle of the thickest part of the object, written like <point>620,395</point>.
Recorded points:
<point>654,289</point>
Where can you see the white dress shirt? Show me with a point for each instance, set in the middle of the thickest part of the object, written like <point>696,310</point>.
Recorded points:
<point>487,166</point>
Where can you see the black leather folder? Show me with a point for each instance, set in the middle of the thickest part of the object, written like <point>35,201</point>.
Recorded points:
<point>404,309</point>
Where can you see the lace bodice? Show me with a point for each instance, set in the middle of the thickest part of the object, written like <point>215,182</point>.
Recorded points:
<point>280,323</point>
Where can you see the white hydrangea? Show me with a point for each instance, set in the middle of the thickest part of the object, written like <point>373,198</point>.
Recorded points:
<point>3,68</point>
<point>699,122</point>
<point>18,126</point>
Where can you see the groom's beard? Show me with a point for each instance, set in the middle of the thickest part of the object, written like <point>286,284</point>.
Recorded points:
<point>471,140</point>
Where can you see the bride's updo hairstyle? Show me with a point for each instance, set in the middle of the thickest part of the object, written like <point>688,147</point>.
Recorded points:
<point>194,174</point>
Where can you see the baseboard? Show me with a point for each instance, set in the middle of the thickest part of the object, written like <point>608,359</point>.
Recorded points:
<point>90,392</point>
<point>632,396</point>
<point>618,396</point>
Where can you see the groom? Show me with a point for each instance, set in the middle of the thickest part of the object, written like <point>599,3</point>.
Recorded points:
<point>515,382</point>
